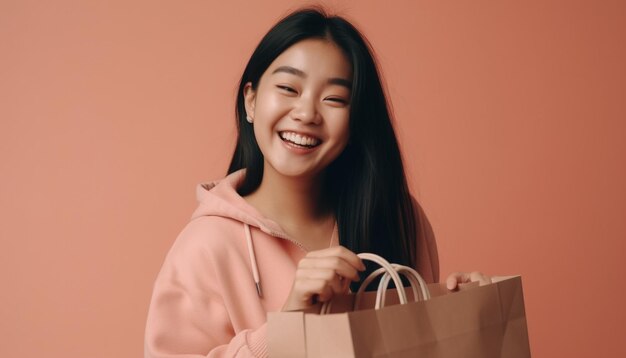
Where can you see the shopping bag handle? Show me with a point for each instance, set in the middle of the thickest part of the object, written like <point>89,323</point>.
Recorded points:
<point>415,279</point>
<point>392,272</point>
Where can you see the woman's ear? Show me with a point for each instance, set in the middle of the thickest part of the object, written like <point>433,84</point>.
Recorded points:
<point>249,95</point>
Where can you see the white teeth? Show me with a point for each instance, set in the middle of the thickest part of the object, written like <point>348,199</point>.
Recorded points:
<point>299,139</point>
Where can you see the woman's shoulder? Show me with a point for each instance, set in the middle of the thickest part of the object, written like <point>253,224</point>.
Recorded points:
<point>207,233</point>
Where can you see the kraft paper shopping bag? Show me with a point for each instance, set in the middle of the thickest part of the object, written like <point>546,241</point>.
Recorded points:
<point>478,321</point>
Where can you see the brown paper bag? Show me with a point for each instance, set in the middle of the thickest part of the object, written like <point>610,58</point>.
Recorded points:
<point>478,321</point>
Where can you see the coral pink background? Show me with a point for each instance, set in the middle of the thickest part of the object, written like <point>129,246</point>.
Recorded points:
<point>511,116</point>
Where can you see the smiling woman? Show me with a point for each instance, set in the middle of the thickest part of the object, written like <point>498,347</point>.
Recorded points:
<point>301,110</point>
<point>316,176</point>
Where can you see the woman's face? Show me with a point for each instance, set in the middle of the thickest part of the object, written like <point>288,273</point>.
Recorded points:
<point>301,108</point>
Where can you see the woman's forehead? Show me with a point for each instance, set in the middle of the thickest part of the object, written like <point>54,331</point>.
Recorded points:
<point>313,57</point>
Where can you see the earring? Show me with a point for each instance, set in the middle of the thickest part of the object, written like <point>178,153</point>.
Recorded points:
<point>248,119</point>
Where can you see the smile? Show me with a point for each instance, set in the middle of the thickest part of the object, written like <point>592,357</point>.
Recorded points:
<point>300,139</point>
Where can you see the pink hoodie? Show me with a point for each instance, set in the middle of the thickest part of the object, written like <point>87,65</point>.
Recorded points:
<point>206,302</point>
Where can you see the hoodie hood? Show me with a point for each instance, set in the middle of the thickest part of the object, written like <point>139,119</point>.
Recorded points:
<point>220,198</point>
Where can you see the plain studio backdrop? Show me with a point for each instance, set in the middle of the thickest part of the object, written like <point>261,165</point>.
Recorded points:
<point>511,118</point>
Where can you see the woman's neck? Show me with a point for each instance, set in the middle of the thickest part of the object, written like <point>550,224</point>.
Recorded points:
<point>290,201</point>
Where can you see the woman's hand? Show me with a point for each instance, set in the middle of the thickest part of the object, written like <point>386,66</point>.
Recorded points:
<point>322,274</point>
<point>454,279</point>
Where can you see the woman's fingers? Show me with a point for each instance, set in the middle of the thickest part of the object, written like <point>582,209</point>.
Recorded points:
<point>322,274</point>
<point>316,285</point>
<point>339,252</point>
<point>455,278</point>
<point>307,289</point>
<point>340,266</point>
<point>480,278</point>
<point>327,277</point>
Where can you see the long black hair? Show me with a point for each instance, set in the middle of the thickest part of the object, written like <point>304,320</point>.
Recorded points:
<point>366,184</point>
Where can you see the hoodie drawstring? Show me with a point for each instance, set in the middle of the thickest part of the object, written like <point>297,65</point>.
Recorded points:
<point>255,267</point>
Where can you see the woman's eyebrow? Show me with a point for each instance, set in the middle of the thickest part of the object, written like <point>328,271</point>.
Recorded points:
<point>341,82</point>
<point>289,69</point>
<point>294,71</point>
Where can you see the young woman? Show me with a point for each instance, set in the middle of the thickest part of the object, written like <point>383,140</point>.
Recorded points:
<point>316,177</point>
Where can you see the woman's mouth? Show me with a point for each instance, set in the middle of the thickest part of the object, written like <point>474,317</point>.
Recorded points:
<point>299,140</point>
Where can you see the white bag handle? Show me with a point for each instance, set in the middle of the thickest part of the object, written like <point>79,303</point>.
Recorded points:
<point>415,280</point>
<point>391,271</point>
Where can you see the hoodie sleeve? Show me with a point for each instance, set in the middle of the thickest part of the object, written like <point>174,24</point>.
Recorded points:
<point>427,255</point>
<point>187,316</point>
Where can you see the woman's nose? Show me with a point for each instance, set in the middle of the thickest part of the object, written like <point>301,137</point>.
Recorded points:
<point>305,110</point>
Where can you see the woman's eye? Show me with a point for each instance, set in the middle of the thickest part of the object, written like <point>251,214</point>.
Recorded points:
<point>337,100</point>
<point>287,89</point>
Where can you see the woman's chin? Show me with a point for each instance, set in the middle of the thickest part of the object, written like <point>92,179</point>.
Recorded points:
<point>295,172</point>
